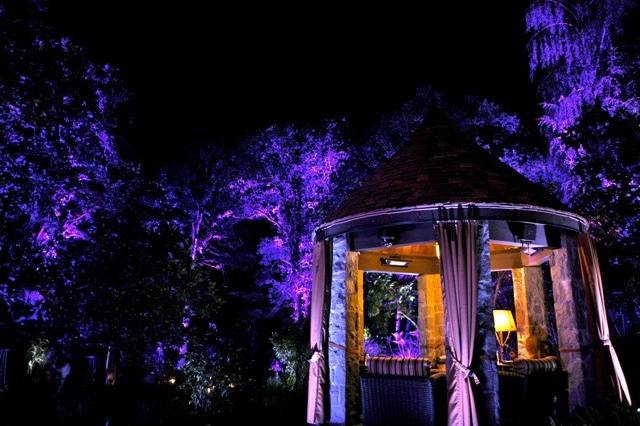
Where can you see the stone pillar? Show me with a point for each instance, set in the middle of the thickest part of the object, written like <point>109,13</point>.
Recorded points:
<point>531,314</point>
<point>355,335</point>
<point>346,334</point>
<point>337,356</point>
<point>570,307</point>
<point>431,316</point>
<point>484,359</point>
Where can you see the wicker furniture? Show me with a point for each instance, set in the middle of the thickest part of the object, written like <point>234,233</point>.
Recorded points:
<point>513,400</point>
<point>387,365</point>
<point>548,364</point>
<point>545,391</point>
<point>531,392</point>
<point>548,392</point>
<point>402,392</point>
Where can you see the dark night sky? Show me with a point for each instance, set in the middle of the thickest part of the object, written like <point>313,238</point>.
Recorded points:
<point>200,73</point>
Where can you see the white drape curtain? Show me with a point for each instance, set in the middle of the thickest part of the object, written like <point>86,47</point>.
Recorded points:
<point>457,242</point>
<point>593,280</point>
<point>317,363</point>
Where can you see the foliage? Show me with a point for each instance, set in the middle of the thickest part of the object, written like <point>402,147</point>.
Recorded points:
<point>197,202</point>
<point>37,355</point>
<point>289,176</point>
<point>59,163</point>
<point>585,67</point>
<point>291,355</point>
<point>623,307</point>
<point>394,128</point>
<point>607,413</point>
<point>208,379</point>
<point>391,307</point>
<point>60,173</point>
<point>573,45</point>
<point>174,271</point>
<point>578,64</point>
<point>606,174</point>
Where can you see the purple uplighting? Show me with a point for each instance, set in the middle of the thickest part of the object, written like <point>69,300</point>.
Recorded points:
<point>221,218</point>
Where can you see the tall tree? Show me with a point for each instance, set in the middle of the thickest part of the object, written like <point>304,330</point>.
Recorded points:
<point>577,61</point>
<point>288,181</point>
<point>59,166</point>
<point>586,74</point>
<point>200,205</point>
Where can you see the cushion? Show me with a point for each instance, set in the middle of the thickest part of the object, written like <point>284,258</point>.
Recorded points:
<point>544,365</point>
<point>386,365</point>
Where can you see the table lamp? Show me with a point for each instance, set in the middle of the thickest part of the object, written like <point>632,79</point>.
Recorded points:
<point>503,321</point>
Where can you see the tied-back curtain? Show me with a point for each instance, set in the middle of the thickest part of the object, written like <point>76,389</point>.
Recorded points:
<point>590,268</point>
<point>317,367</point>
<point>457,244</point>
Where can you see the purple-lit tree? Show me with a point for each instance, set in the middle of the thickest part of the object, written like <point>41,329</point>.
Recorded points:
<point>607,174</point>
<point>394,128</point>
<point>78,254</point>
<point>59,166</point>
<point>578,62</point>
<point>290,177</point>
<point>197,202</point>
<point>587,80</point>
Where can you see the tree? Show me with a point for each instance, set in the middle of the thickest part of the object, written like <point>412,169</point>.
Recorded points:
<point>60,171</point>
<point>288,177</point>
<point>575,56</point>
<point>199,205</point>
<point>577,62</point>
<point>587,80</point>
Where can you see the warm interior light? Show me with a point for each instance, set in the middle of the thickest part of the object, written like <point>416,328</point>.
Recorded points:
<point>391,261</point>
<point>503,320</point>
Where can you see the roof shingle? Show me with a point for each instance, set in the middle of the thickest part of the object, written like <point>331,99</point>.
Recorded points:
<point>440,166</point>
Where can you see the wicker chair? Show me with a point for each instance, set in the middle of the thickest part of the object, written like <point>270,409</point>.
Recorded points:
<point>548,392</point>
<point>403,400</point>
<point>512,397</point>
<point>545,390</point>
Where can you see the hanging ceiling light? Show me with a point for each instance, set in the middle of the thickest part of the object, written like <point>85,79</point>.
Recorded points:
<point>526,247</point>
<point>394,261</point>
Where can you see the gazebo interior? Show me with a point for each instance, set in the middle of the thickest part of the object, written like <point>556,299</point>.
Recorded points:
<point>471,232</point>
<point>529,308</point>
<point>526,271</point>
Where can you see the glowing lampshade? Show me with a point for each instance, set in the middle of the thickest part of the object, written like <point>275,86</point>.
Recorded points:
<point>503,320</point>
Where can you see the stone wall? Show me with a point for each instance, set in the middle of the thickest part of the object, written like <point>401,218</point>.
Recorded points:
<point>574,338</point>
<point>531,314</point>
<point>355,334</point>
<point>485,347</point>
<point>337,359</point>
<point>431,316</point>
<point>346,334</point>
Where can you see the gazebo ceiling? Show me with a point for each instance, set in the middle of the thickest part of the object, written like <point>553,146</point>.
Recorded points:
<point>438,166</point>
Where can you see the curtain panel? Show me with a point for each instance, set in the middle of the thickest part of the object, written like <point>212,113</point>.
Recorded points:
<point>457,241</point>
<point>590,268</point>
<point>318,336</point>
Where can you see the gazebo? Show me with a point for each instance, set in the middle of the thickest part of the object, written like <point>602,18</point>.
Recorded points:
<point>446,211</point>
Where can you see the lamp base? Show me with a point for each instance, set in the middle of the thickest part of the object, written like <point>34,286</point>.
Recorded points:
<point>503,356</point>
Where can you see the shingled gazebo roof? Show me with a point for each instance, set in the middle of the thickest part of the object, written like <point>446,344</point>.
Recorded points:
<point>439,166</point>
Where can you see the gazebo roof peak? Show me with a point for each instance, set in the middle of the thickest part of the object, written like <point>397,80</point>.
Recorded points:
<point>439,166</point>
